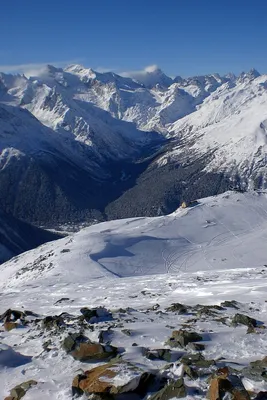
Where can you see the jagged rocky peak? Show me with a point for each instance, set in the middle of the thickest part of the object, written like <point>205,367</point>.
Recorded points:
<point>252,74</point>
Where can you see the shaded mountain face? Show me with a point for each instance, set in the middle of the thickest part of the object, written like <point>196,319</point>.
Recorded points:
<point>78,145</point>
<point>17,237</point>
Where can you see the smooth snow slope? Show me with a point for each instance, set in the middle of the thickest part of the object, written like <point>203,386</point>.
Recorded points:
<point>223,232</point>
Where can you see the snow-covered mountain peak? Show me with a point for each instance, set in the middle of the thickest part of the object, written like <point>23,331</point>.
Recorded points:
<point>150,77</point>
<point>250,75</point>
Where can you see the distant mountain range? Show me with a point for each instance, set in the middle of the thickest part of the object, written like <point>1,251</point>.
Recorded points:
<point>78,146</point>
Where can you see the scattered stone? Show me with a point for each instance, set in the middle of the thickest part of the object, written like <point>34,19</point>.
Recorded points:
<point>158,354</point>
<point>127,332</point>
<point>116,377</point>
<point>104,335</point>
<point>82,349</point>
<point>46,345</point>
<point>230,304</point>
<point>12,315</point>
<point>65,251</point>
<point>181,338</point>
<point>225,385</point>
<point>243,320</point>
<point>190,372</point>
<point>257,370</point>
<point>62,300</point>
<point>195,346</point>
<point>52,322</point>
<point>197,360</point>
<point>20,390</point>
<point>95,314</point>
<point>177,308</point>
<point>211,311</point>
<point>173,389</point>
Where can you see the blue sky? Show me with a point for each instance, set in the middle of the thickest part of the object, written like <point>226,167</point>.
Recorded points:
<point>183,37</point>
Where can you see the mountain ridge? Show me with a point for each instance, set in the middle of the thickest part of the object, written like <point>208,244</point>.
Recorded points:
<point>84,146</point>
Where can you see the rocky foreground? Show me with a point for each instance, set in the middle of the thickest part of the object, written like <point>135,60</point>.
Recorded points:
<point>89,342</point>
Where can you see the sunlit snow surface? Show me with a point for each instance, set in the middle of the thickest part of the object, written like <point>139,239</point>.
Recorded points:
<point>212,252</point>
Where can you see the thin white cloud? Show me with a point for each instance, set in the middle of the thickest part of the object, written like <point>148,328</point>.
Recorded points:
<point>140,73</point>
<point>33,69</point>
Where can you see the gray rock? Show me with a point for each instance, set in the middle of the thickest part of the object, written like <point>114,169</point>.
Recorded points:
<point>177,308</point>
<point>158,354</point>
<point>243,320</point>
<point>181,338</point>
<point>174,389</point>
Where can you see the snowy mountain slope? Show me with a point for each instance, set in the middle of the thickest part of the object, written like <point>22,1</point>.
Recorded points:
<point>214,252</point>
<point>230,124</point>
<point>220,232</point>
<point>17,237</point>
<point>48,178</point>
<point>210,137</point>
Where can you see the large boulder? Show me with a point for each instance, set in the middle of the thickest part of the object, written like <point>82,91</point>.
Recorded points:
<point>114,378</point>
<point>82,349</point>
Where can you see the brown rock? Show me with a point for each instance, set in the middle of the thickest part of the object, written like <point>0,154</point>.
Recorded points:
<point>115,377</point>
<point>88,351</point>
<point>8,326</point>
<point>222,385</point>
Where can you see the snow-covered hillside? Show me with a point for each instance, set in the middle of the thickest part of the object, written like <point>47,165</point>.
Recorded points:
<point>17,237</point>
<point>231,126</point>
<point>154,275</point>
<point>221,232</point>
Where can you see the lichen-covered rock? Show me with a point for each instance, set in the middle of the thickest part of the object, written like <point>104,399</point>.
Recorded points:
<point>244,320</point>
<point>174,389</point>
<point>182,338</point>
<point>113,378</point>
<point>82,349</point>
<point>20,390</point>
